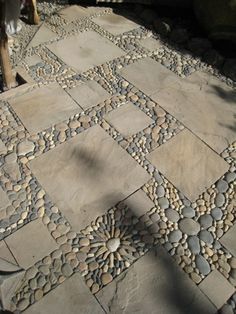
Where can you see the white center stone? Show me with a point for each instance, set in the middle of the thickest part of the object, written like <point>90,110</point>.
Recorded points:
<point>113,244</point>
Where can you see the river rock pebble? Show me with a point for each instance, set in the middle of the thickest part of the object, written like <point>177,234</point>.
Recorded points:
<point>175,236</point>
<point>205,221</point>
<point>172,215</point>
<point>220,200</point>
<point>189,226</point>
<point>194,244</point>
<point>188,212</point>
<point>206,236</point>
<point>202,265</point>
<point>217,213</point>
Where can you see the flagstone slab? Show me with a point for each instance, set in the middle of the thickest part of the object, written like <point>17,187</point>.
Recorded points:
<point>154,284</point>
<point>87,175</point>
<point>43,35</point>
<point>150,43</point>
<point>31,243</point>
<point>229,240</point>
<point>121,118</point>
<point>4,201</point>
<point>44,107</point>
<point>72,297</point>
<point>148,75</point>
<point>85,50</point>
<point>205,105</point>
<point>217,288</point>
<point>115,24</point>
<point>188,163</point>
<point>89,94</point>
<point>5,253</point>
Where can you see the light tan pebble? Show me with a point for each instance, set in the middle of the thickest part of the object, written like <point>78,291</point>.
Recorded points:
<point>71,235</point>
<point>74,124</point>
<point>94,288</point>
<point>39,203</point>
<point>51,226</point>
<point>106,278</point>
<point>195,277</point>
<point>188,269</point>
<point>209,251</point>
<point>61,239</point>
<point>41,211</point>
<point>61,279</point>
<point>70,256</point>
<point>89,282</point>
<point>40,194</point>
<point>17,188</point>
<point>47,260</point>
<point>83,266</point>
<point>24,215</point>
<point>84,119</point>
<point>59,127</point>
<point>38,294</point>
<point>233,262</point>
<point>46,220</point>
<point>66,248</point>
<point>56,254</point>
<point>93,266</point>
<point>63,228</point>
<point>84,242</point>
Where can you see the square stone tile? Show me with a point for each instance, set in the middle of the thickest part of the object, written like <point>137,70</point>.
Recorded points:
<point>154,284</point>
<point>4,201</point>
<point>121,118</point>
<point>139,203</point>
<point>150,43</point>
<point>89,94</point>
<point>148,75</point>
<point>115,24</point>
<point>31,243</point>
<point>85,50</point>
<point>229,240</point>
<point>5,253</point>
<point>217,288</point>
<point>44,107</point>
<point>72,297</point>
<point>205,105</point>
<point>188,163</point>
<point>74,12</point>
<point>43,35</point>
<point>87,175</point>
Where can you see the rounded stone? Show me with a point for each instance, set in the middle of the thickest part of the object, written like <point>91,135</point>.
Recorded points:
<point>31,272</point>
<point>160,191</point>
<point>222,186</point>
<point>38,294</point>
<point>67,270</point>
<point>25,147</point>
<point>93,266</point>
<point>84,242</point>
<point>205,221</point>
<point>230,177</point>
<point>188,212</point>
<point>202,265</point>
<point>189,226</point>
<point>194,244</point>
<point>220,200</point>
<point>196,278</point>
<point>95,288</point>
<point>106,278</point>
<point>233,262</point>
<point>233,274</point>
<point>172,215</point>
<point>163,202</point>
<point>81,256</point>
<point>217,213</point>
<point>113,244</point>
<point>175,236</point>
<point>206,236</point>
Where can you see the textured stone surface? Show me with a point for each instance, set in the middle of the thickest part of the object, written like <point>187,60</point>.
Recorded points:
<point>74,12</point>
<point>5,253</point>
<point>204,105</point>
<point>89,94</point>
<point>44,107</point>
<point>217,288</point>
<point>26,243</point>
<point>4,201</point>
<point>89,174</point>
<point>148,288</point>
<point>90,49</point>
<point>71,297</point>
<point>120,119</point>
<point>229,240</point>
<point>115,24</point>
<point>43,35</point>
<point>148,75</point>
<point>188,163</point>
<point>150,44</point>
<point>3,148</point>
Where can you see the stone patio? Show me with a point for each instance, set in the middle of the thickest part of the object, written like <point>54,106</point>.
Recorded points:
<point>117,175</point>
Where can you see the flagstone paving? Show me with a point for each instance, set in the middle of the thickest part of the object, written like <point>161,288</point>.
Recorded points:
<point>117,175</point>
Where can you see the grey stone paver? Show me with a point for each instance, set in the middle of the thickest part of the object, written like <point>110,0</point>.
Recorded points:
<point>115,24</point>
<point>188,163</point>
<point>205,105</point>
<point>154,284</point>
<point>43,35</point>
<point>44,107</point>
<point>88,94</point>
<point>90,49</point>
<point>217,288</point>
<point>30,243</point>
<point>71,297</point>
<point>99,175</point>
<point>121,117</point>
<point>5,253</point>
<point>229,240</point>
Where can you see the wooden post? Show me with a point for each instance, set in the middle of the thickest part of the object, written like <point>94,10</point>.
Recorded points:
<point>33,14</point>
<point>8,78</point>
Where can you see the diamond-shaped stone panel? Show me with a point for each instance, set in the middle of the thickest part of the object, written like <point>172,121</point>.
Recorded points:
<point>128,119</point>
<point>115,24</point>
<point>147,287</point>
<point>204,104</point>
<point>88,94</point>
<point>148,75</point>
<point>89,49</point>
<point>229,240</point>
<point>72,297</point>
<point>217,288</point>
<point>31,243</point>
<point>44,107</point>
<point>87,175</point>
<point>188,163</point>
